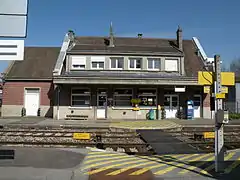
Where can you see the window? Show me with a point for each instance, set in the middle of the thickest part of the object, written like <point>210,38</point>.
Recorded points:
<point>78,62</point>
<point>148,97</point>
<point>171,65</point>
<point>98,62</point>
<point>153,64</point>
<point>116,63</point>
<point>81,97</point>
<point>134,63</point>
<point>122,97</point>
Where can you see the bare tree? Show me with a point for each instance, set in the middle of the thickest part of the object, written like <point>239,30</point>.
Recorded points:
<point>235,67</point>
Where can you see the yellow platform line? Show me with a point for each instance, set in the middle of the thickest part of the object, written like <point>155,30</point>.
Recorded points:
<point>141,171</point>
<point>211,167</point>
<point>198,164</point>
<point>107,158</point>
<point>114,165</point>
<point>108,162</point>
<point>168,169</point>
<point>232,166</point>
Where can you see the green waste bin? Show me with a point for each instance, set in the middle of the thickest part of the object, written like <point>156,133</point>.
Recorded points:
<point>151,114</point>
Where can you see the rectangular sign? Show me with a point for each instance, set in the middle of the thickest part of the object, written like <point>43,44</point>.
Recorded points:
<point>81,136</point>
<point>209,135</point>
<point>16,7</point>
<point>220,95</point>
<point>13,18</point>
<point>206,78</point>
<point>206,89</point>
<point>11,50</point>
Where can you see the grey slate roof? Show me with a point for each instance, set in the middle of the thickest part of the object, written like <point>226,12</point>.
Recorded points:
<point>38,63</point>
<point>125,45</point>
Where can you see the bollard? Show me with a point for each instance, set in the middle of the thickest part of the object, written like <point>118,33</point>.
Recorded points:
<point>99,142</point>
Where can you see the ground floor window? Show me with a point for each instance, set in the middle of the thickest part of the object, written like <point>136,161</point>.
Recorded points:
<point>148,97</point>
<point>81,97</point>
<point>122,97</point>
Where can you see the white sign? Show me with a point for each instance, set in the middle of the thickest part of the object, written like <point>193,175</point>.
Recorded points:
<point>11,50</point>
<point>178,89</point>
<point>13,18</point>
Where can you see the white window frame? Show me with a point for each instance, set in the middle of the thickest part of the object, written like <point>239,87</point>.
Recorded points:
<point>98,59</point>
<point>116,59</point>
<point>135,63</point>
<point>80,94</point>
<point>81,61</point>
<point>153,64</point>
<point>167,68</point>
<point>122,95</point>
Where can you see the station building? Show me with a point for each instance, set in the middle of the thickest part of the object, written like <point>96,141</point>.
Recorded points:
<point>98,78</point>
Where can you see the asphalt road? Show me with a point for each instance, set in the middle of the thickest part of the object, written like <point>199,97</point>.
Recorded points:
<point>42,164</point>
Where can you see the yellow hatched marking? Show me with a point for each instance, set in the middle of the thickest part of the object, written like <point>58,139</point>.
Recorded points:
<point>108,158</point>
<point>97,152</point>
<point>141,171</point>
<point>163,171</point>
<point>232,166</point>
<point>104,155</point>
<point>129,167</point>
<point>209,168</point>
<point>114,165</point>
<point>199,164</point>
<point>108,162</point>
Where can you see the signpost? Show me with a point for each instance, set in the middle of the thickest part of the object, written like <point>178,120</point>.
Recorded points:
<point>219,82</point>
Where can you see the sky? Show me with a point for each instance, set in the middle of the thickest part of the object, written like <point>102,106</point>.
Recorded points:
<point>214,22</point>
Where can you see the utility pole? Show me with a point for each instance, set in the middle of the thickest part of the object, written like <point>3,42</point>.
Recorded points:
<point>219,116</point>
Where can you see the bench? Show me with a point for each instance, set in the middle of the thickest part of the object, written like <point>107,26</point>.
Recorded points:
<point>76,117</point>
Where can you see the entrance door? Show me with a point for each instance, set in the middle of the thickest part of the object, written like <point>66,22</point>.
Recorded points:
<point>31,101</point>
<point>102,104</point>
<point>171,103</point>
<point>197,106</point>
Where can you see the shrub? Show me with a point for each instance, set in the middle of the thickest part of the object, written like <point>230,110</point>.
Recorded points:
<point>234,116</point>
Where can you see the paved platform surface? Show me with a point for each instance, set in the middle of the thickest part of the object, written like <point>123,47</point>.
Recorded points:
<point>129,124</point>
<point>42,164</point>
<point>177,166</point>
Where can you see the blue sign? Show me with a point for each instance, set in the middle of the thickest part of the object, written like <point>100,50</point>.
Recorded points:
<point>190,109</point>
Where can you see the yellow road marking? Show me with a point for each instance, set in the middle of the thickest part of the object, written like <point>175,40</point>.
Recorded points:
<point>108,158</point>
<point>232,166</point>
<point>209,168</point>
<point>141,171</point>
<point>108,162</point>
<point>97,152</point>
<point>129,167</point>
<point>198,164</point>
<point>114,165</point>
<point>163,171</point>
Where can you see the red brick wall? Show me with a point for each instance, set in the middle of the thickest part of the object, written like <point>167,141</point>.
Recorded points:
<point>13,92</point>
<point>206,100</point>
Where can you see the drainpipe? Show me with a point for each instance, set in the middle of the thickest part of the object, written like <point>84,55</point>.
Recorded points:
<point>58,101</point>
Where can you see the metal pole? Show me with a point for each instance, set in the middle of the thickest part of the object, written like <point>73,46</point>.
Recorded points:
<point>58,102</point>
<point>219,140</point>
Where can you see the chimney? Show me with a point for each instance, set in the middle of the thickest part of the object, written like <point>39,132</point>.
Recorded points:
<point>140,36</point>
<point>111,43</point>
<point>179,38</point>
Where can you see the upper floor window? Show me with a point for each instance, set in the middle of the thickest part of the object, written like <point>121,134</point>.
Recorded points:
<point>135,63</point>
<point>171,65</point>
<point>153,64</point>
<point>117,63</point>
<point>78,62</point>
<point>97,62</point>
